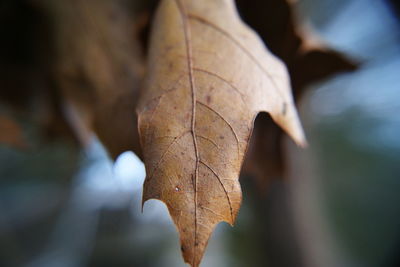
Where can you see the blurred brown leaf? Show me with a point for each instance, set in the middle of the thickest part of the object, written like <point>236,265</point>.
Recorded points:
<point>99,69</point>
<point>81,68</point>
<point>208,77</point>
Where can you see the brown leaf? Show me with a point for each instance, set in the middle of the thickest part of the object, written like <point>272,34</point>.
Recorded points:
<point>209,76</point>
<point>99,69</point>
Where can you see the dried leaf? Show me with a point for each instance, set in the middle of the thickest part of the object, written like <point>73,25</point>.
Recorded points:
<point>99,70</point>
<point>209,76</point>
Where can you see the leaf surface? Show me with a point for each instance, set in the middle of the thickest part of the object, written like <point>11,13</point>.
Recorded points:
<point>209,75</point>
<point>98,69</point>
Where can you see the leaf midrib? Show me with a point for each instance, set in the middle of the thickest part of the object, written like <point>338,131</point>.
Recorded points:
<point>187,35</point>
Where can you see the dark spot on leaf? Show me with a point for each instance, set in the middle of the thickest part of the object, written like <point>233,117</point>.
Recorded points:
<point>208,99</point>
<point>221,137</point>
<point>183,249</point>
<point>168,48</point>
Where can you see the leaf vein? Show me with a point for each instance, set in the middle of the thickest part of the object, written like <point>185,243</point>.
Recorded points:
<point>226,122</point>
<point>176,139</point>
<point>224,80</point>
<point>209,140</point>
<point>187,33</point>
<point>223,186</point>
<point>238,44</point>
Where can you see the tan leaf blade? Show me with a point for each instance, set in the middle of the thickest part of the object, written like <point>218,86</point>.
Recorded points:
<point>209,76</point>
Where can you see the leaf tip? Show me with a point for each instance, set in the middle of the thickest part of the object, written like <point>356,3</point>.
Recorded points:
<point>300,139</point>
<point>303,143</point>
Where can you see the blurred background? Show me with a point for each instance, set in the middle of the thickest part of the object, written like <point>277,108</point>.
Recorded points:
<point>64,202</point>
